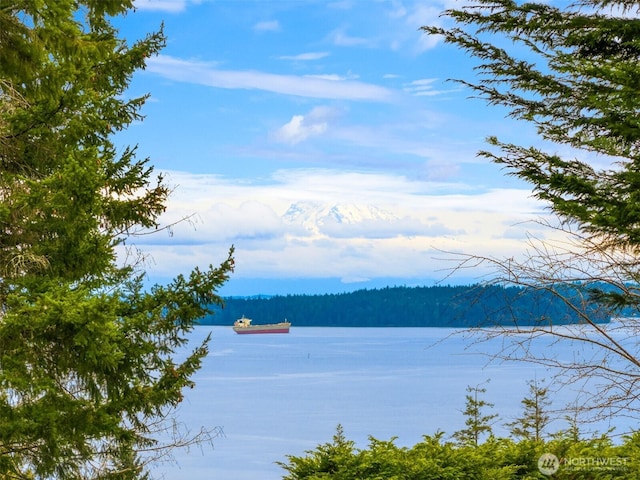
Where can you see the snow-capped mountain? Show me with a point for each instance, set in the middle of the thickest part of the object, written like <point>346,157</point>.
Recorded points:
<point>313,216</point>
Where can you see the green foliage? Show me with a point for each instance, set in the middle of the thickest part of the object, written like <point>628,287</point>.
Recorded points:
<point>477,423</point>
<point>91,363</point>
<point>571,70</point>
<point>535,416</point>
<point>495,459</point>
<point>430,459</point>
<point>330,460</point>
<point>514,458</point>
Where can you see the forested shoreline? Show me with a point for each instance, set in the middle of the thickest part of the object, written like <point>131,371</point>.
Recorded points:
<point>401,306</point>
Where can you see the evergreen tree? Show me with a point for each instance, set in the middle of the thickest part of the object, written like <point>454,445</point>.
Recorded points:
<point>88,371</point>
<point>337,459</point>
<point>576,80</point>
<point>477,423</point>
<point>571,70</point>
<point>535,417</point>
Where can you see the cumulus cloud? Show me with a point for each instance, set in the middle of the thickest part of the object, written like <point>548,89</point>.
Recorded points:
<point>218,224</point>
<point>302,127</point>
<point>203,73</point>
<point>350,224</point>
<point>297,130</point>
<point>251,220</point>
<point>383,228</point>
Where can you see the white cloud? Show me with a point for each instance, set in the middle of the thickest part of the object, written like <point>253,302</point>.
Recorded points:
<point>406,18</point>
<point>342,39</point>
<point>425,14</point>
<point>377,229</point>
<point>267,26</point>
<point>204,73</point>
<point>333,77</point>
<point>305,56</point>
<point>424,88</point>
<point>302,127</point>
<point>402,27</point>
<point>173,6</point>
<point>419,224</point>
<point>297,130</point>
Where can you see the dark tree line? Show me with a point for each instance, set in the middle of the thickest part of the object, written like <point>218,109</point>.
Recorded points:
<point>437,306</point>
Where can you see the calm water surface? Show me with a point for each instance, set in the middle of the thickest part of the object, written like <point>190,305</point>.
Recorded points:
<point>278,395</point>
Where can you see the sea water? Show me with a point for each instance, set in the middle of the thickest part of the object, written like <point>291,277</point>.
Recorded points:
<point>269,396</point>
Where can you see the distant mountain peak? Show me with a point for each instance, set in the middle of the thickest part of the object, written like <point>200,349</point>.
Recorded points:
<point>349,213</point>
<point>312,215</point>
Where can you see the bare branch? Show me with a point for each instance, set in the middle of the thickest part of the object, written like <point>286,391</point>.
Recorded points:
<point>572,268</point>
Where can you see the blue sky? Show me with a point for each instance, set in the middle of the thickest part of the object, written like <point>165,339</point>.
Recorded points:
<point>259,110</point>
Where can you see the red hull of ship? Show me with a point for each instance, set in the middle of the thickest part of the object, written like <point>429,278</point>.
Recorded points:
<point>248,331</point>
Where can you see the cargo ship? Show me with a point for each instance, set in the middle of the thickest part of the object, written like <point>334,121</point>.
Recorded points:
<point>243,326</point>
